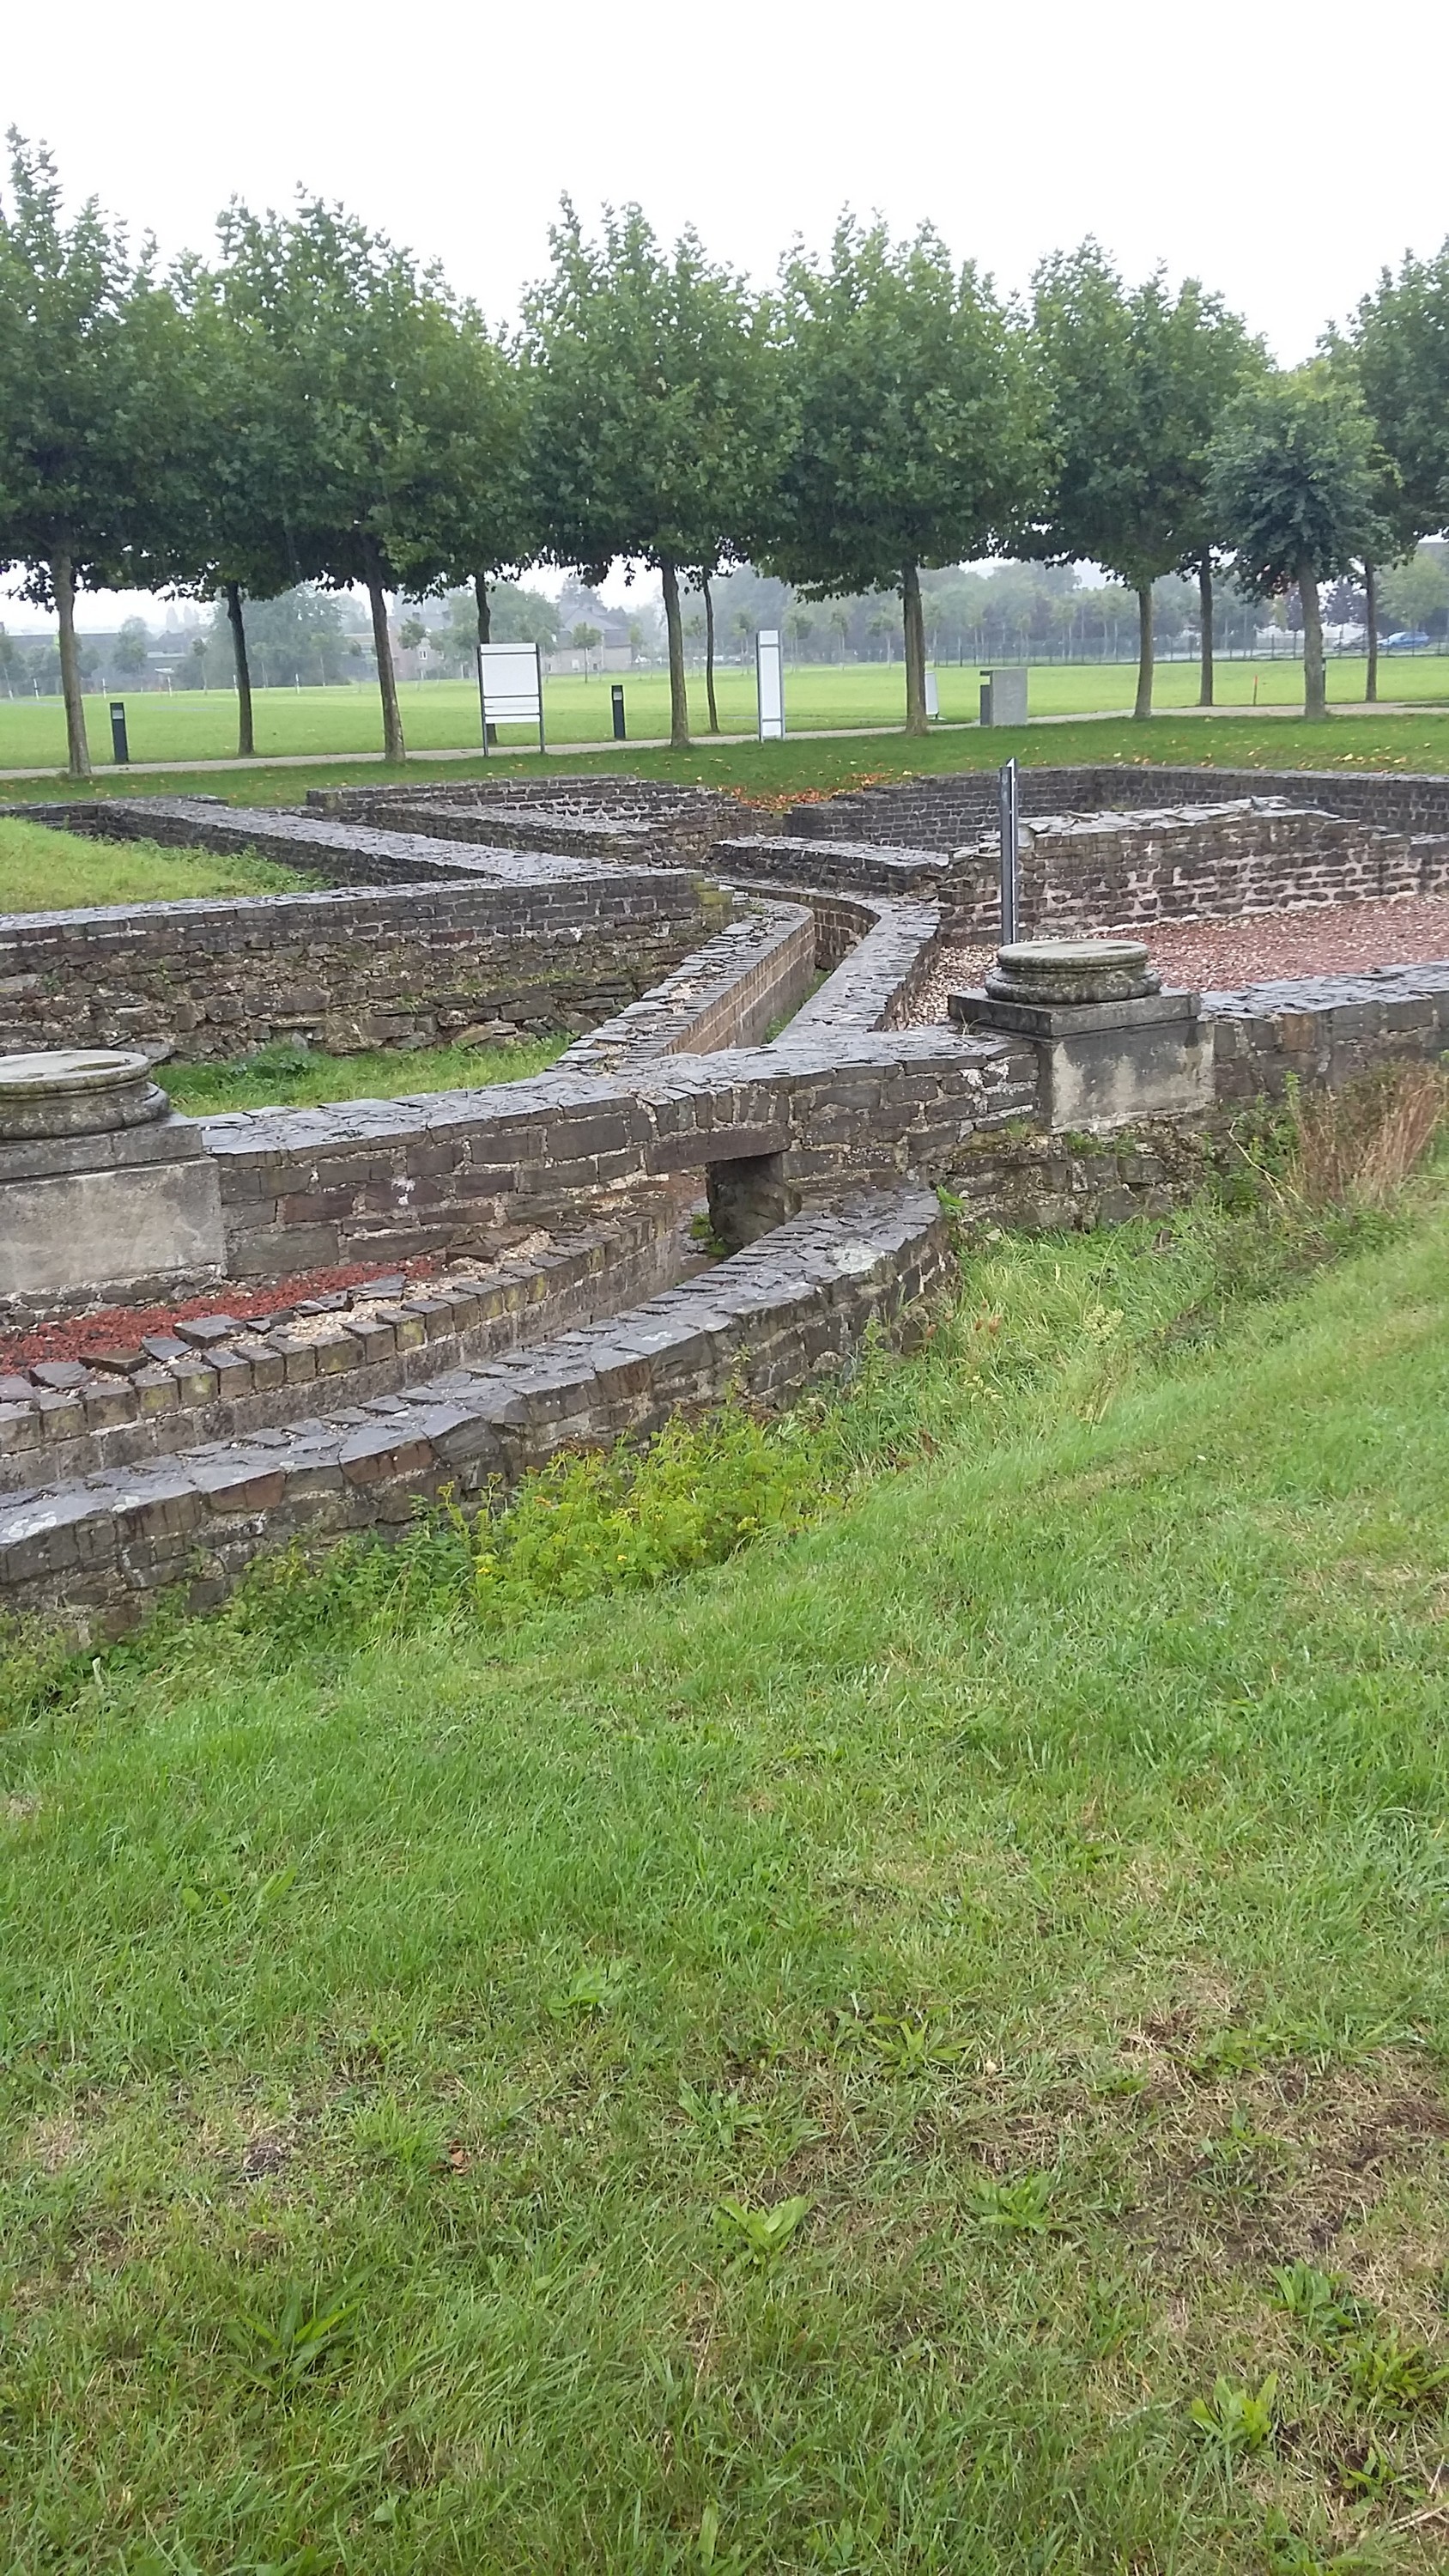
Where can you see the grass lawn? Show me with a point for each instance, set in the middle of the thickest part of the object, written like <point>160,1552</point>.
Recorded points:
<point>814,765</point>
<point>443,714</point>
<point>288,1076</point>
<point>812,2067</point>
<point>46,871</point>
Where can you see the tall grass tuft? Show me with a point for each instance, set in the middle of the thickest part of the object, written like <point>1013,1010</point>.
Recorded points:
<point>1356,1147</point>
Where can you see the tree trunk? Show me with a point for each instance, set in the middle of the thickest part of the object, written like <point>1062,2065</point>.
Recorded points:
<point>1205,640</point>
<point>393,745</point>
<point>709,653</point>
<point>246,744</point>
<point>1143,706</point>
<point>1371,598</point>
<point>485,629</point>
<point>62,582</point>
<point>1315,700</point>
<point>915,645</point>
<point>678,698</point>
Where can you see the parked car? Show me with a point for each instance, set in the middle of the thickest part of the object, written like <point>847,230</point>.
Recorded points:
<point>1411,640</point>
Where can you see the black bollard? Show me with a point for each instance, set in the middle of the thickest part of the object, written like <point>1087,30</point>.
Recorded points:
<point>119,747</point>
<point>616,695</point>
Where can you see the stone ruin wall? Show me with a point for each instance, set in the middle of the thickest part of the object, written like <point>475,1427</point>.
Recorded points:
<point>1127,872</point>
<point>594,815</point>
<point>430,965</point>
<point>942,812</point>
<point>554,1202</point>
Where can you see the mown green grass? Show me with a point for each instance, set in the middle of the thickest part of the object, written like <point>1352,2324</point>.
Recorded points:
<point>46,871</point>
<point>444,714</point>
<point>814,765</point>
<point>288,1076</point>
<point>1037,1867</point>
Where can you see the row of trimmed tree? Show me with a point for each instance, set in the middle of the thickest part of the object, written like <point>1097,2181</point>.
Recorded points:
<point>313,405</point>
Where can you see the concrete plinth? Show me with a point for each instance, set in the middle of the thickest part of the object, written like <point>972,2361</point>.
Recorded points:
<point>104,1191</point>
<point>1112,1047</point>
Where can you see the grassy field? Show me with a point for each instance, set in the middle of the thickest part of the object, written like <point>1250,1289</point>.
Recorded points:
<point>814,765</point>
<point>441,715</point>
<point>289,1076</point>
<point>46,871</point>
<point>828,2064</point>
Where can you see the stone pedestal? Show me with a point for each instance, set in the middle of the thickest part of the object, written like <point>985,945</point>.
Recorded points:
<point>1112,1046</point>
<point>104,1191</point>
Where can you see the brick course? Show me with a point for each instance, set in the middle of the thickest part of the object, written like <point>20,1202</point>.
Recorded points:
<point>309,1188</point>
<point>941,812</point>
<point>346,970</point>
<point>767,1322</point>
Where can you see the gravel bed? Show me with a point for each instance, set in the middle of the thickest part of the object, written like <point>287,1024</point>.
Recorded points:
<point>106,1327</point>
<point>1256,948</point>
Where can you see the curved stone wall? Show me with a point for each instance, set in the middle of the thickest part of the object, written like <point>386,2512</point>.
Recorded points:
<point>556,1203</point>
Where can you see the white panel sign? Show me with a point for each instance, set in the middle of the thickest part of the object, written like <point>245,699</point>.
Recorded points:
<point>770,684</point>
<point>933,696</point>
<point>510,686</point>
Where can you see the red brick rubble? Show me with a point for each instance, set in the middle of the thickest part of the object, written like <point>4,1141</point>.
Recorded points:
<point>110,1327</point>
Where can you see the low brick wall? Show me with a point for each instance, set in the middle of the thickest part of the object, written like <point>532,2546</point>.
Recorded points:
<point>875,984</point>
<point>341,853</point>
<point>532,827</point>
<point>1194,863</point>
<point>58,1423</point>
<point>943,811</point>
<point>382,1180</point>
<point>348,971</point>
<point>1074,1184</point>
<point>597,814</point>
<point>850,867</point>
<point>727,994</point>
<point>1325,1029</point>
<point>766,1322</point>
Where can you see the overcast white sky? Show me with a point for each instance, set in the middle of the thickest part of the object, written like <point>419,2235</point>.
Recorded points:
<point>1283,153</point>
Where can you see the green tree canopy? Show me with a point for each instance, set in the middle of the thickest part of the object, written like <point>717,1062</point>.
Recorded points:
<point>1296,482</point>
<point>911,423</point>
<point>646,409</point>
<point>1137,382</point>
<point>90,362</point>
<point>1397,344</point>
<point>133,646</point>
<point>233,539</point>
<point>1400,340</point>
<point>365,360</point>
<point>482,519</point>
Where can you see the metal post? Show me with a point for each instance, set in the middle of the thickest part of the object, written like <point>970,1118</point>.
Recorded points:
<point>119,749</point>
<point>1008,798</point>
<point>616,700</point>
<point>538,666</point>
<point>483,699</point>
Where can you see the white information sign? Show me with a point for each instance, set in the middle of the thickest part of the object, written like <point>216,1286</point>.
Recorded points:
<point>933,695</point>
<point>770,684</point>
<point>510,686</point>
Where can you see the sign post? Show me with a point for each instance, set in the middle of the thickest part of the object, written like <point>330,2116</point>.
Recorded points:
<point>1009,803</point>
<point>770,685</point>
<point>933,694</point>
<point>510,687</point>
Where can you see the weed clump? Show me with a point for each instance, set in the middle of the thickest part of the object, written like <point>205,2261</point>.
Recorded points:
<point>1356,1147</point>
<point>622,1521</point>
